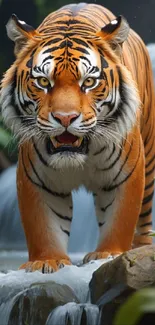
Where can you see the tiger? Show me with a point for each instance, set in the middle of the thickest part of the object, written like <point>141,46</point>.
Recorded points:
<point>79,97</point>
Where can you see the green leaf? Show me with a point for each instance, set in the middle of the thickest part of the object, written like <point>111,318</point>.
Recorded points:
<point>5,137</point>
<point>152,233</point>
<point>138,304</point>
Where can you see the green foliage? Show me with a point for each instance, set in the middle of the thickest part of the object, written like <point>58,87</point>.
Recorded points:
<point>44,7</point>
<point>137,305</point>
<point>152,233</point>
<point>5,138</point>
<point>7,143</point>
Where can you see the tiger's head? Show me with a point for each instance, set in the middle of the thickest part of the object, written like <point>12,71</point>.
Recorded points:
<point>68,89</point>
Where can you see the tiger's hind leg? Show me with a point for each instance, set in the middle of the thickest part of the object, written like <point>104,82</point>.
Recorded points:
<point>144,225</point>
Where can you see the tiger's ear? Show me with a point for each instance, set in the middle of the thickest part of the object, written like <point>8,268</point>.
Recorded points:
<point>19,32</point>
<point>116,32</point>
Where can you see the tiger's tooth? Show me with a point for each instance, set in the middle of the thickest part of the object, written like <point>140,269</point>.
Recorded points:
<point>80,141</point>
<point>76,143</point>
<point>59,144</point>
<point>54,142</point>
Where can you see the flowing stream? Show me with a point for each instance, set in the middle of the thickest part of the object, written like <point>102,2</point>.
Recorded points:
<point>72,313</point>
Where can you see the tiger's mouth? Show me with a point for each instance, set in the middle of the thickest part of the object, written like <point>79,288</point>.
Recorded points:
<point>67,142</point>
<point>66,138</point>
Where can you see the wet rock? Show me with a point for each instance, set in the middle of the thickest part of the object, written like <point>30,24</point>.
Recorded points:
<point>33,305</point>
<point>114,281</point>
<point>132,269</point>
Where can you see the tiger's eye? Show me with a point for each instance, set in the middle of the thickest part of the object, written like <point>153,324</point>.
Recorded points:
<point>43,82</point>
<point>89,82</point>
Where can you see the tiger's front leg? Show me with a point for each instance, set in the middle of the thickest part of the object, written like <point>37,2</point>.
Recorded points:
<point>46,222</point>
<point>118,207</point>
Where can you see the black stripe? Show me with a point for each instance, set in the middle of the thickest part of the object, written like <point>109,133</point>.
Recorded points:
<point>62,45</point>
<point>112,187</point>
<point>152,146</point>
<point>20,83</point>
<point>100,224</point>
<point>74,69</point>
<point>146,224</point>
<point>66,43</point>
<point>81,49</point>
<point>60,216</point>
<point>126,159</point>
<point>119,112</point>
<point>148,198</point>
<point>85,58</point>
<point>149,162</point>
<point>112,152</point>
<point>149,185</point>
<point>29,63</point>
<point>73,65</point>
<point>93,69</point>
<point>122,89</point>
<point>85,125</point>
<point>65,231</point>
<point>26,172</point>
<point>146,214</point>
<point>55,40</point>
<point>113,163</point>
<point>70,22</point>
<point>44,126</point>
<point>112,77</point>
<point>51,49</point>
<point>12,102</point>
<point>101,150</point>
<point>62,195</point>
<point>104,63</point>
<point>150,171</point>
<point>145,234</point>
<point>34,170</point>
<point>80,41</point>
<point>107,206</point>
<point>39,155</point>
<point>49,57</point>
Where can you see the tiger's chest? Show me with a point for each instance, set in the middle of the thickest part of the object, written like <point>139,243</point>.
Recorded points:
<point>98,172</point>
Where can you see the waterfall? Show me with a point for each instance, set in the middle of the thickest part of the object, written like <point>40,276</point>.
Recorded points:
<point>74,314</point>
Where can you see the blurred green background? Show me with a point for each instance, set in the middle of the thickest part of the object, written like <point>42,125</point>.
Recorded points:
<point>139,13</point>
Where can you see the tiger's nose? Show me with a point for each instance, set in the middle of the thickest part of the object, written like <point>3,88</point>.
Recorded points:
<point>65,120</point>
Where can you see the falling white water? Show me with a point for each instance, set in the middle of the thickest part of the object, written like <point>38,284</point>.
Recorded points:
<point>73,313</point>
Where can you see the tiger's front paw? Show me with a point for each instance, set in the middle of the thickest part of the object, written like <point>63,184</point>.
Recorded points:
<point>100,255</point>
<point>45,266</point>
